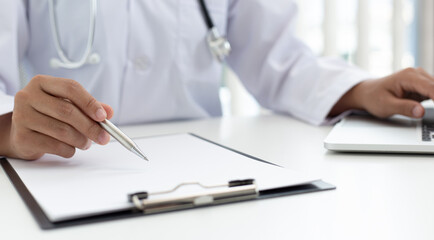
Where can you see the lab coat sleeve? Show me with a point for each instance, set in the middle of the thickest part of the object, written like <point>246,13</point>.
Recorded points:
<point>278,69</point>
<point>13,42</point>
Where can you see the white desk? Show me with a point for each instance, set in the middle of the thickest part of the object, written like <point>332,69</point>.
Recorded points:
<point>377,197</point>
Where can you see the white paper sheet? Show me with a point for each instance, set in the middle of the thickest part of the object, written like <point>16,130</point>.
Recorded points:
<point>98,180</point>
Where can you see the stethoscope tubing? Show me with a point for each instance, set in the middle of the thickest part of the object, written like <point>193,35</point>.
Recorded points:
<point>64,61</point>
<point>219,46</point>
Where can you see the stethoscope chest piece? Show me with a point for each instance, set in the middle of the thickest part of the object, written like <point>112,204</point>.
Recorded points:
<point>219,46</point>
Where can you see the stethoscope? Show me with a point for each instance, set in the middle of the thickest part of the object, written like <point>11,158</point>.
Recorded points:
<point>219,45</point>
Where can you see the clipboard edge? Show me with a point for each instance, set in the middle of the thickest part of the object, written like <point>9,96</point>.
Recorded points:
<point>233,150</point>
<point>31,203</point>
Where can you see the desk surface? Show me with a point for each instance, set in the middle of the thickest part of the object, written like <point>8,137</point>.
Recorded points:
<point>378,196</point>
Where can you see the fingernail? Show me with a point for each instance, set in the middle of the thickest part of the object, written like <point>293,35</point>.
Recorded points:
<point>88,144</point>
<point>103,137</point>
<point>101,114</point>
<point>417,111</point>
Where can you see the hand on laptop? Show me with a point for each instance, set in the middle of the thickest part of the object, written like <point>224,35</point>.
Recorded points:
<point>399,93</point>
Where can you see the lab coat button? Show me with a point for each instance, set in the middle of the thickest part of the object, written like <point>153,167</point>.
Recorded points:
<point>141,63</point>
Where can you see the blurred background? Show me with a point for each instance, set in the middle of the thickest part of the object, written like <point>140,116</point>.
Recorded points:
<point>380,36</point>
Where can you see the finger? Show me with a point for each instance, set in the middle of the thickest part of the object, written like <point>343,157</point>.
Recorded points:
<point>59,130</point>
<point>68,113</point>
<point>73,91</point>
<point>50,145</point>
<point>415,96</point>
<point>405,107</point>
<point>419,84</point>
<point>424,73</point>
<point>37,144</point>
<point>108,109</point>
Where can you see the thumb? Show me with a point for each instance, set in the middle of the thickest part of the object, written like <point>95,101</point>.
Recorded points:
<point>406,107</point>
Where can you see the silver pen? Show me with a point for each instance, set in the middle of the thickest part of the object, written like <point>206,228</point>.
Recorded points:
<point>122,138</point>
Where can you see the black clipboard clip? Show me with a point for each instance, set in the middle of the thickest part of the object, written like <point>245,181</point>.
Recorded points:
<point>233,191</point>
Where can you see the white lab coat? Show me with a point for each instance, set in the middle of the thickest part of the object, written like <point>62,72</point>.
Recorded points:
<point>155,64</point>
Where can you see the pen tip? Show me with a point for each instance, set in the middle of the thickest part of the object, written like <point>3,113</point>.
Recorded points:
<point>139,153</point>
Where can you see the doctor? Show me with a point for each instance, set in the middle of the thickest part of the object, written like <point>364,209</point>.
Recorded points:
<point>147,60</point>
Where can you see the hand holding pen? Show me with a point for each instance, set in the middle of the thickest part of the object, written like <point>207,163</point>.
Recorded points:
<point>44,122</point>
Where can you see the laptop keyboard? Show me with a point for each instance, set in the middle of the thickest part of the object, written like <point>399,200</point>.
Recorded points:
<point>428,125</point>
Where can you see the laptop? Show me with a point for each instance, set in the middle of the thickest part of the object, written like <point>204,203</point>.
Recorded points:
<point>365,133</point>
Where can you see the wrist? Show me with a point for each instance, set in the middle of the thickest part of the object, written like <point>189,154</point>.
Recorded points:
<point>353,99</point>
<point>358,95</point>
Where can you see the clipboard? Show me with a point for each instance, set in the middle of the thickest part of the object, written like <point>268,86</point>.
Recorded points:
<point>142,203</point>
